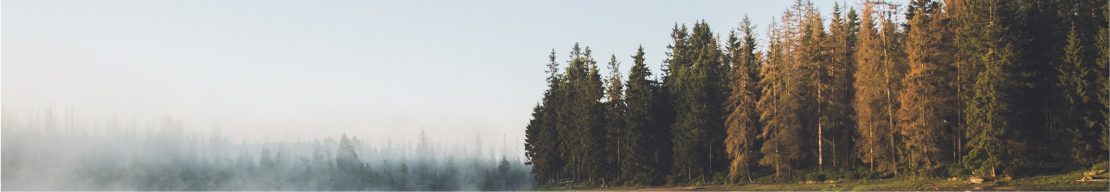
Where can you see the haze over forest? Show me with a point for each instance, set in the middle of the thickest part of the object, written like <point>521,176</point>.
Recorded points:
<point>515,95</point>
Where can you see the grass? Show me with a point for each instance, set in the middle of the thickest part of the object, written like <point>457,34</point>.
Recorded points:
<point>1055,182</point>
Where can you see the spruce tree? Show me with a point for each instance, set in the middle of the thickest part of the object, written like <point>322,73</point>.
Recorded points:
<point>1078,113</point>
<point>614,122</point>
<point>875,78</point>
<point>988,121</point>
<point>542,143</point>
<point>778,108</point>
<point>742,121</point>
<point>926,100</point>
<point>836,89</point>
<point>1079,81</point>
<point>636,158</point>
<point>583,112</point>
<point>815,87</point>
<point>698,129</point>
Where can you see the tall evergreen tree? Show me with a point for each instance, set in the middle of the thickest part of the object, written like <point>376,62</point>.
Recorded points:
<point>698,129</point>
<point>742,121</point>
<point>836,90</point>
<point>541,136</point>
<point>614,122</point>
<point>532,143</point>
<point>876,77</point>
<point>584,124</point>
<point>667,112</point>
<point>927,97</point>
<point>989,117</point>
<point>661,149</point>
<point>1079,114</point>
<point>1078,108</point>
<point>777,108</point>
<point>894,60</point>
<point>816,85</point>
<point>636,158</point>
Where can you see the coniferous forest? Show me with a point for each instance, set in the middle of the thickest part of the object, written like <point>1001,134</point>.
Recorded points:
<point>993,89</point>
<point>60,150</point>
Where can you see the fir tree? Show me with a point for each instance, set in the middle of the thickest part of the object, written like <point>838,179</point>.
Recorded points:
<point>614,121</point>
<point>876,75</point>
<point>924,116</point>
<point>836,89</point>
<point>988,122</point>
<point>636,164</point>
<point>743,120</point>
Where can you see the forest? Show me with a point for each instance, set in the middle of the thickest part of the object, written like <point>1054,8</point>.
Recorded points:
<point>52,150</point>
<point>925,89</point>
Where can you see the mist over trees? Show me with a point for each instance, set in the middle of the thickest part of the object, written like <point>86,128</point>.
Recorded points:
<point>929,88</point>
<point>48,150</point>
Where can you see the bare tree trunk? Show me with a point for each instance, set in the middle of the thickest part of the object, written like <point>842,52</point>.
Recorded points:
<point>871,150</point>
<point>890,120</point>
<point>749,170</point>
<point>820,129</point>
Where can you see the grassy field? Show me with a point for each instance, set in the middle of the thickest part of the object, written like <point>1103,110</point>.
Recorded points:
<point>1058,182</point>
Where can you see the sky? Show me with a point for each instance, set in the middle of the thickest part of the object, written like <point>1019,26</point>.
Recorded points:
<point>269,70</point>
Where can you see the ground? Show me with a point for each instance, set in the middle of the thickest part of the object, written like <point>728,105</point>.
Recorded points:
<point>1058,182</point>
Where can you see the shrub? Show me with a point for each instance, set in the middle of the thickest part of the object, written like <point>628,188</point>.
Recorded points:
<point>1101,166</point>
<point>815,176</point>
<point>953,170</point>
<point>853,175</point>
<point>673,180</point>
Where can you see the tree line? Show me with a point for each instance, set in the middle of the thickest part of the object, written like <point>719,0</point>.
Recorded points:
<point>953,88</point>
<point>45,151</point>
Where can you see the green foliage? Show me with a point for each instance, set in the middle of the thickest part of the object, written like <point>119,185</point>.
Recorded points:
<point>992,144</point>
<point>815,176</point>
<point>925,112</point>
<point>696,75</point>
<point>960,88</point>
<point>615,130</point>
<point>542,143</point>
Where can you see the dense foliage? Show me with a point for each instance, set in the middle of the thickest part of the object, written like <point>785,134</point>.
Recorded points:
<point>988,88</point>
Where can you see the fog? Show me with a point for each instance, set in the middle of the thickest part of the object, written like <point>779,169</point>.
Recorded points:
<point>53,150</point>
<point>131,94</point>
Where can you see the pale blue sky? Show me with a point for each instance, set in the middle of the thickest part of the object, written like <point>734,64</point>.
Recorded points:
<point>301,69</point>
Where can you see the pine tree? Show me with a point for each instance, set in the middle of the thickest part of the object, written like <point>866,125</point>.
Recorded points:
<point>926,100</point>
<point>668,111</point>
<point>661,149</point>
<point>584,125</point>
<point>836,89</point>
<point>1077,113</point>
<point>636,165</point>
<point>988,121</point>
<point>614,122</point>
<point>894,62</point>
<point>591,117</point>
<point>698,129</point>
<point>542,143</point>
<point>867,88</point>
<point>778,108</point>
<point>876,76</point>
<point>1078,119</point>
<point>816,85</point>
<point>532,142</point>
<point>743,120</point>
